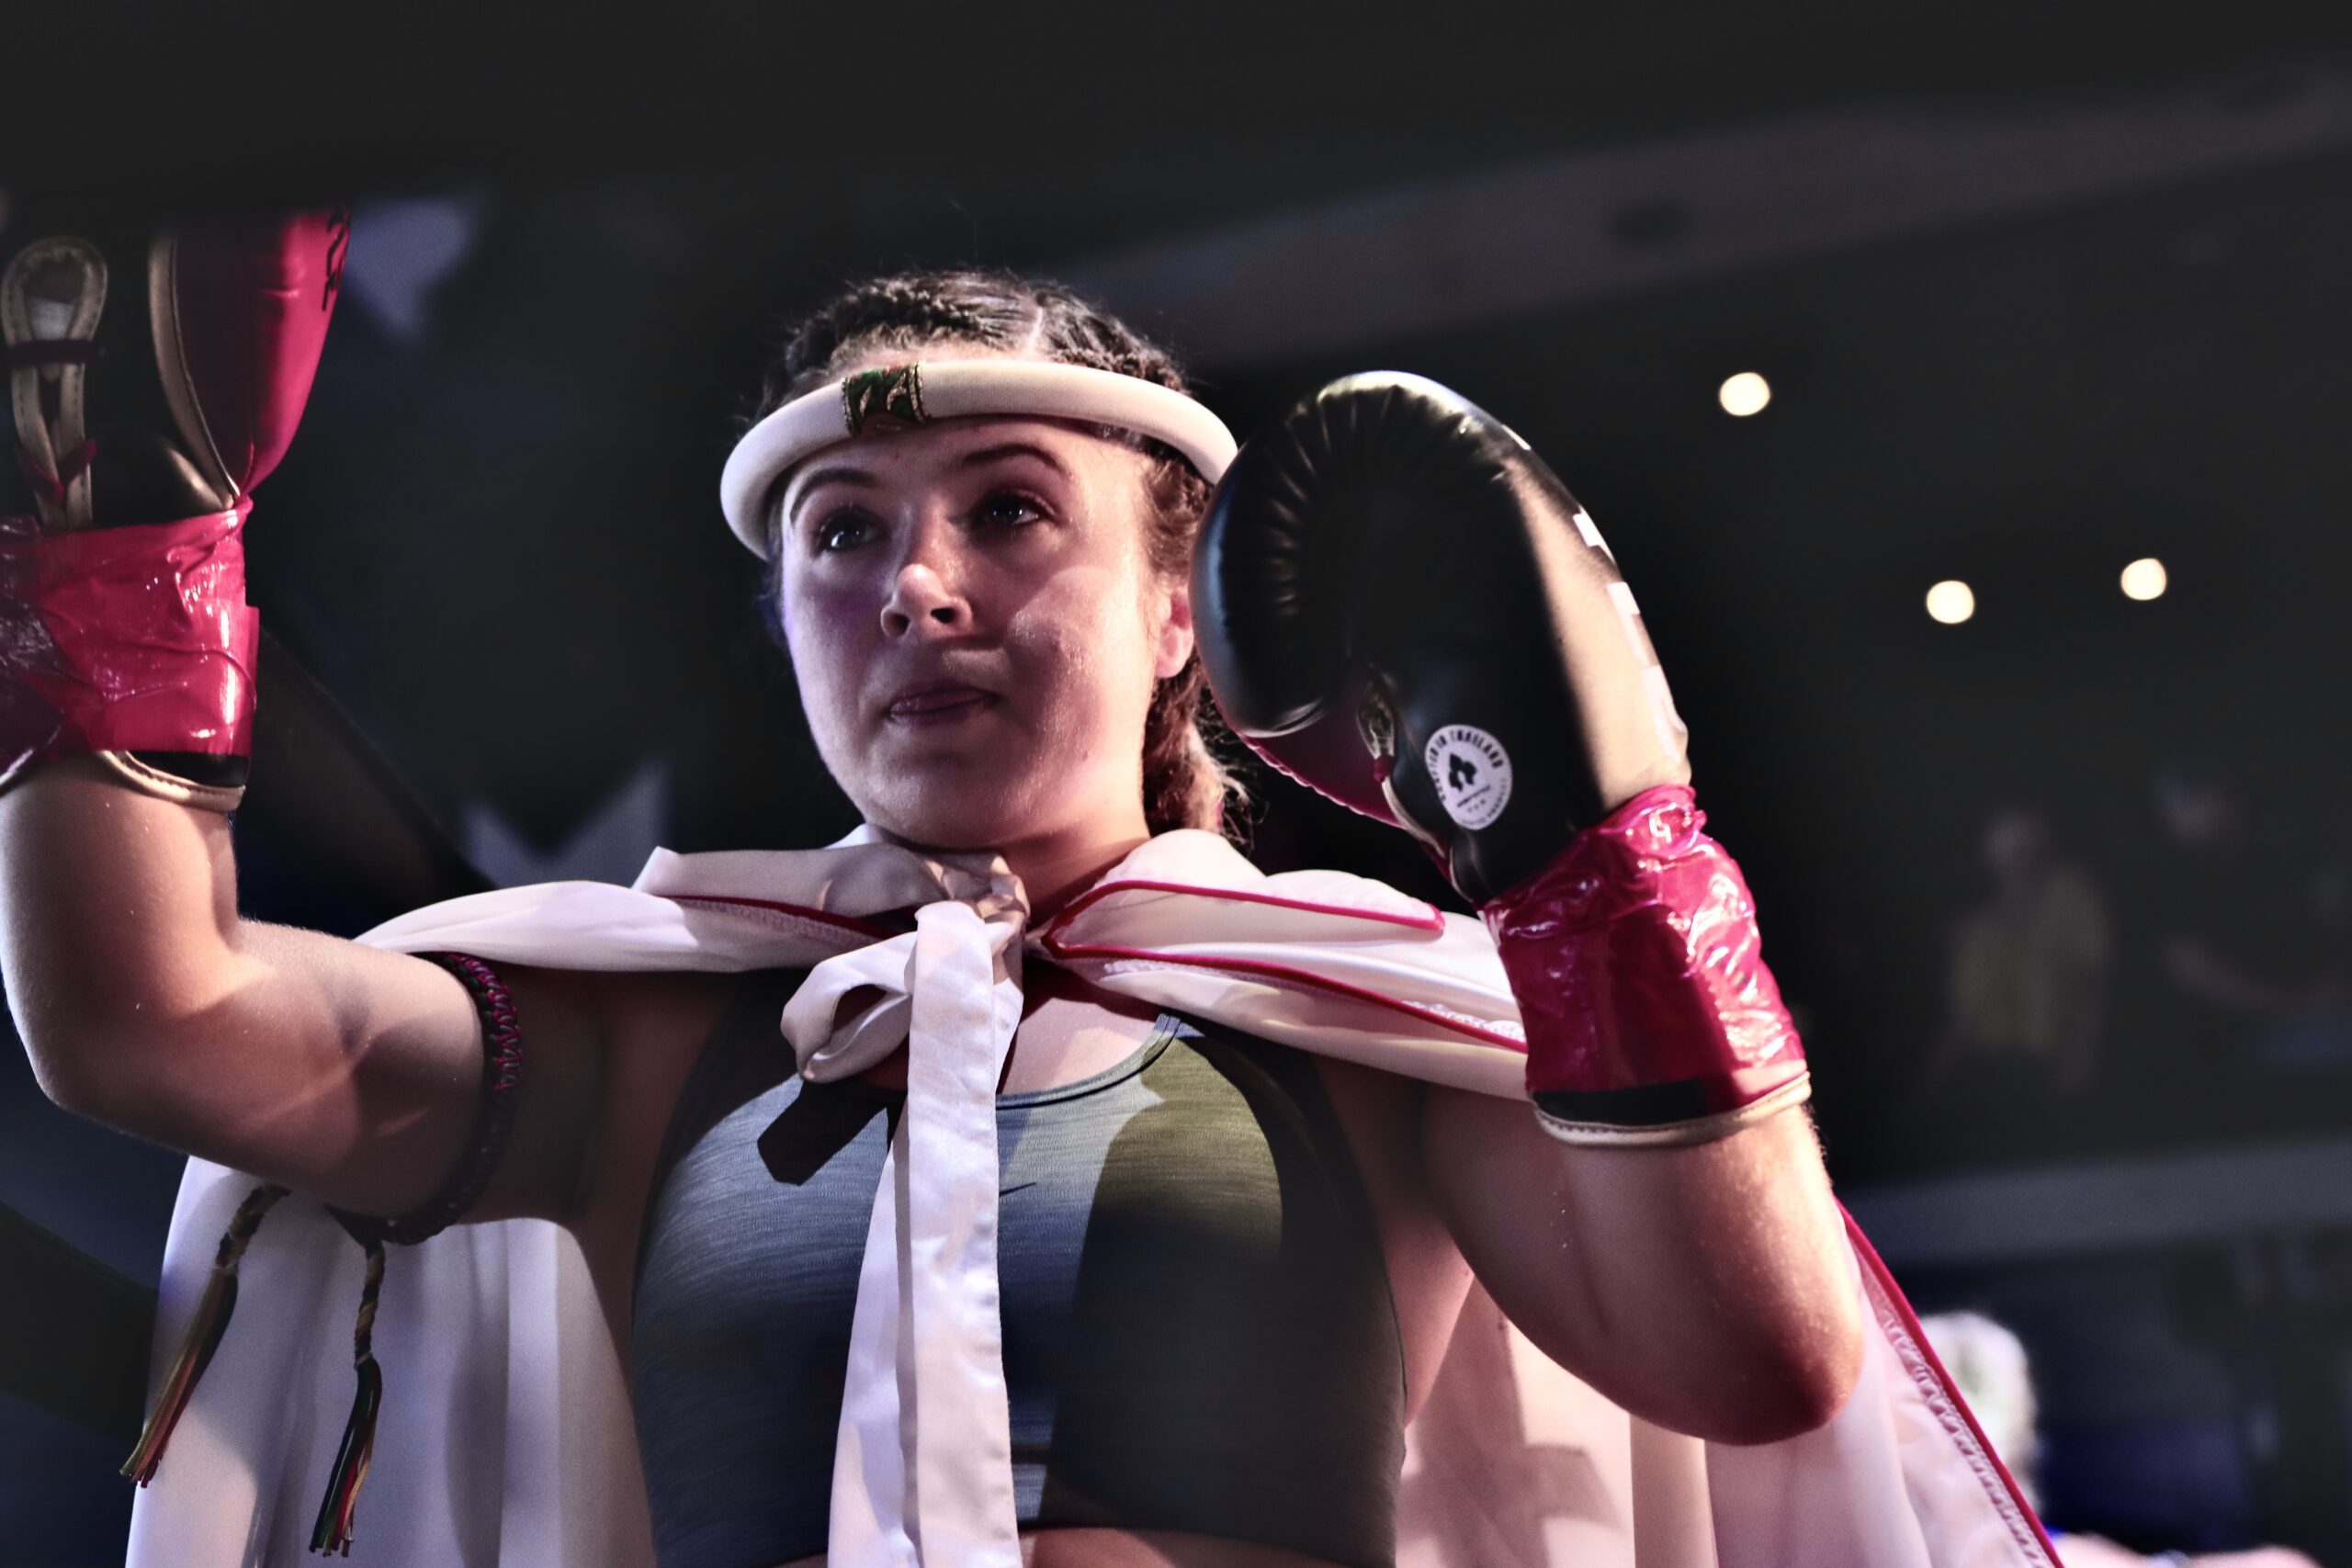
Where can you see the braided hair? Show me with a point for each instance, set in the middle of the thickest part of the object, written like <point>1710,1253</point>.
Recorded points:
<point>1185,784</point>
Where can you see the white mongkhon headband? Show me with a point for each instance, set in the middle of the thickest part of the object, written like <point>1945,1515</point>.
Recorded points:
<point>905,395</point>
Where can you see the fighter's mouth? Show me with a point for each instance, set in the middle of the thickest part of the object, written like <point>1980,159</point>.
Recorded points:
<point>938,702</point>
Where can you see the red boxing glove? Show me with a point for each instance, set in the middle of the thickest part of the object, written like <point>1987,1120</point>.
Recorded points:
<point>153,381</point>
<point>248,307</point>
<point>1650,1015</point>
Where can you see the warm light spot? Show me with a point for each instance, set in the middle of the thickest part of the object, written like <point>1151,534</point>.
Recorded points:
<point>1951,602</point>
<point>2144,579</point>
<point>1744,394</point>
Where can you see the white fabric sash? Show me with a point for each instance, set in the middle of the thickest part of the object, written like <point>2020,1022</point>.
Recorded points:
<point>503,1436</point>
<point>926,1355</point>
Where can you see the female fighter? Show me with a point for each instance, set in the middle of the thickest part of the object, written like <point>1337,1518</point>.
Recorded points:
<point>1144,1282</point>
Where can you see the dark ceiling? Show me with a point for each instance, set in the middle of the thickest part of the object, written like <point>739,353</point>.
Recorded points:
<point>276,101</point>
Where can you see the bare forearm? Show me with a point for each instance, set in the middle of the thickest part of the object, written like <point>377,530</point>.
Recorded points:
<point>1725,1258</point>
<point>1707,1288</point>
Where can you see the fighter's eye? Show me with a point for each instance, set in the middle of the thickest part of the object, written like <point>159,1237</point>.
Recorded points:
<point>839,530</point>
<point>1008,509</point>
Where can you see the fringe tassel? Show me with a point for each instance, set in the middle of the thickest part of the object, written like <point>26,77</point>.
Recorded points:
<point>203,1335</point>
<point>331,1533</point>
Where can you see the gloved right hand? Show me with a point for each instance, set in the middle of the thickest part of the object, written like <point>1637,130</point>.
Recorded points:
<point>154,378</point>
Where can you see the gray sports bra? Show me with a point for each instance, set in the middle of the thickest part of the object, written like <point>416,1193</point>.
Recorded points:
<point>1198,1332</point>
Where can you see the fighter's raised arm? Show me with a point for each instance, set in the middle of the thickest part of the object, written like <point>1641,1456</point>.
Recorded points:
<point>1402,606</point>
<point>155,376</point>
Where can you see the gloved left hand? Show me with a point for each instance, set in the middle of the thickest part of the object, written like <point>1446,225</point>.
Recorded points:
<point>1401,606</point>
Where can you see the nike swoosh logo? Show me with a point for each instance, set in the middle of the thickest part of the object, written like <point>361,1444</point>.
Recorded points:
<point>1017,1187</point>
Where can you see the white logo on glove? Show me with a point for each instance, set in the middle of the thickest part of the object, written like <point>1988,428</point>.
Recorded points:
<point>1472,773</point>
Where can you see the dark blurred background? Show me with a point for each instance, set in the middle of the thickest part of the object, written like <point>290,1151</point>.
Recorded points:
<point>2061,890</point>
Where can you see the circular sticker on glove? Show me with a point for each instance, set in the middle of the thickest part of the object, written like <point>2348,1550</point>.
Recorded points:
<point>1472,773</point>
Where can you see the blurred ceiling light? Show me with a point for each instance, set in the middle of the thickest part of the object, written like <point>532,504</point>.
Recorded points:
<point>1951,602</point>
<point>1744,394</point>
<point>2144,579</point>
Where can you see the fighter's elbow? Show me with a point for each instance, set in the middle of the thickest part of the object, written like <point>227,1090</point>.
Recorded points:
<point>53,1073</point>
<point>75,1067</point>
<point>1790,1388</point>
<point>100,1054</point>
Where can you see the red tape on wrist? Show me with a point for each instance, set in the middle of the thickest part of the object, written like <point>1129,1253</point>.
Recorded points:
<point>1640,980</point>
<point>132,640</point>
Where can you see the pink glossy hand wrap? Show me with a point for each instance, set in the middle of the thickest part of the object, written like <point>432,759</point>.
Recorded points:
<point>133,638</point>
<point>1650,1015</point>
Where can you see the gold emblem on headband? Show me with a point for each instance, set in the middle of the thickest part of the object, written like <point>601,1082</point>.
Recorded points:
<point>883,400</point>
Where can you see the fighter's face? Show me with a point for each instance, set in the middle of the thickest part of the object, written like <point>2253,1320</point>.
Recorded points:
<point>977,627</point>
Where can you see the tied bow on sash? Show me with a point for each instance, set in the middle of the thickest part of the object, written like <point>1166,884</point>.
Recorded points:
<point>925,1448</point>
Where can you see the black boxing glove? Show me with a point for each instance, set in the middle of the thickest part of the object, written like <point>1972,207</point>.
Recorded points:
<point>1402,607</point>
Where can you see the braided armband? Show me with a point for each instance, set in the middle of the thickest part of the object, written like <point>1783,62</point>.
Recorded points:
<point>502,1064</point>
